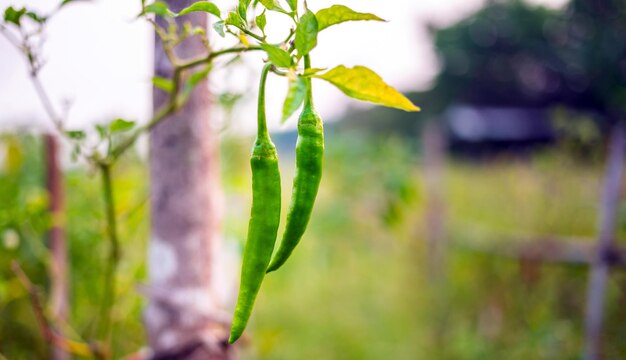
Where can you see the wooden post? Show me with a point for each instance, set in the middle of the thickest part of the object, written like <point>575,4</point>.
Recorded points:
<point>596,290</point>
<point>56,237</point>
<point>183,319</point>
<point>434,163</point>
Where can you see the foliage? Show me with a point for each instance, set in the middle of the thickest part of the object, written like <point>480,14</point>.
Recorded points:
<point>511,53</point>
<point>113,139</point>
<point>358,289</point>
<point>24,221</point>
<point>488,307</point>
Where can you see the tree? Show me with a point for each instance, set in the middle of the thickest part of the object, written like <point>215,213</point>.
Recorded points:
<point>514,54</point>
<point>185,214</point>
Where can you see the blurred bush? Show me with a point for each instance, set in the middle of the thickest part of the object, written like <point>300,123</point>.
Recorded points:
<point>357,287</point>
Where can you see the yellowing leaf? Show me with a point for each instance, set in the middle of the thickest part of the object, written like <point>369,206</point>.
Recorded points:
<point>337,14</point>
<point>364,84</point>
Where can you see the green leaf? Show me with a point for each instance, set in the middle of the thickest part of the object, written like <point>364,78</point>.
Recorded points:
<point>196,77</point>
<point>234,19</point>
<point>219,27</point>
<point>120,125</point>
<point>204,6</point>
<point>306,33</point>
<point>162,83</point>
<point>261,21</point>
<point>76,134</point>
<point>272,5</point>
<point>36,17</point>
<point>337,14</point>
<point>242,8</point>
<point>75,153</point>
<point>228,100</point>
<point>278,56</point>
<point>66,2</point>
<point>193,81</point>
<point>11,15</point>
<point>364,84</point>
<point>102,130</point>
<point>158,8</point>
<point>295,97</point>
<point>293,4</point>
<point>14,16</point>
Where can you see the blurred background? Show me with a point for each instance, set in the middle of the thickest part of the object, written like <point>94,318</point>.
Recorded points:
<point>466,231</point>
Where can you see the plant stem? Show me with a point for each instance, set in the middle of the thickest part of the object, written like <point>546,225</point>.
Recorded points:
<point>308,99</point>
<point>215,54</point>
<point>262,124</point>
<point>251,34</point>
<point>10,37</point>
<point>164,112</point>
<point>46,102</point>
<point>113,255</point>
<point>46,326</point>
<point>172,105</point>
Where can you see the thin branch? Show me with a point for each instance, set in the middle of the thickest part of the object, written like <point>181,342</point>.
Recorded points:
<point>292,32</point>
<point>10,37</point>
<point>168,48</point>
<point>253,35</point>
<point>75,347</point>
<point>114,252</point>
<point>44,326</point>
<point>172,105</point>
<point>215,54</point>
<point>278,72</point>
<point>46,102</point>
<point>164,112</point>
<point>33,70</point>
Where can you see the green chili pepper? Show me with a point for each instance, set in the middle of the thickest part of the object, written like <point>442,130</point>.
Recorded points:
<point>264,219</point>
<point>309,158</point>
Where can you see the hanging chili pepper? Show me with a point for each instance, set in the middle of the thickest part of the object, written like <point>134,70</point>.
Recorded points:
<point>309,159</point>
<point>264,218</point>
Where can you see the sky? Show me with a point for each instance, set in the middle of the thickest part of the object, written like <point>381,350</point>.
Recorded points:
<point>99,61</point>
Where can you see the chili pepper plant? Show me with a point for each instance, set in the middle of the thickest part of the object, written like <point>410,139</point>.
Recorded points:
<point>290,59</point>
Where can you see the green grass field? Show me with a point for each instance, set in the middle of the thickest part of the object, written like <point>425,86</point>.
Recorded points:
<point>358,286</point>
